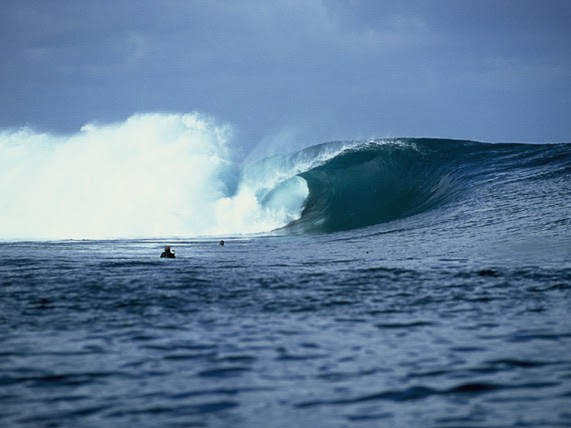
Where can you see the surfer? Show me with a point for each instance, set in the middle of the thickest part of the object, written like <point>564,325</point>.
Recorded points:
<point>167,253</point>
<point>221,242</point>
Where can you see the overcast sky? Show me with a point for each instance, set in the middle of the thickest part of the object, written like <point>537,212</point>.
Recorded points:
<point>307,71</point>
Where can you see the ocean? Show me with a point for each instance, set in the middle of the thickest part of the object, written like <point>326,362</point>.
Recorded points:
<point>401,282</point>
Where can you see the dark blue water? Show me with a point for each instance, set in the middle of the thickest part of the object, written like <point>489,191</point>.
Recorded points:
<point>450,309</point>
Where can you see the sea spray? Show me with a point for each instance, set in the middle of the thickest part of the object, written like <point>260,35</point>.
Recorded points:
<point>151,175</point>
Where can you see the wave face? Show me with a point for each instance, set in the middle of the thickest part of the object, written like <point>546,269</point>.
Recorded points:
<point>159,175</point>
<point>374,182</point>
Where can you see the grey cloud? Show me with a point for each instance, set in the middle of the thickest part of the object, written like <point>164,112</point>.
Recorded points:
<point>491,70</point>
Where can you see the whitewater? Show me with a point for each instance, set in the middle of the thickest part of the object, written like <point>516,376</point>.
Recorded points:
<point>151,175</point>
<point>381,282</point>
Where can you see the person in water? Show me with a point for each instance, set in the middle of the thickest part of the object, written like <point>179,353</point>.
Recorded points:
<point>167,253</point>
<point>221,242</point>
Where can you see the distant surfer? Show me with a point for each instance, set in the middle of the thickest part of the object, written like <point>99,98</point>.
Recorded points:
<point>221,242</point>
<point>167,253</point>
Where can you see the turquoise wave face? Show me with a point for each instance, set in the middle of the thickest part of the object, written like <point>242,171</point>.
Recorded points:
<point>381,181</point>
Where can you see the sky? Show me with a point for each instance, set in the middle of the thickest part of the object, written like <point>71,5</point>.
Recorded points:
<point>293,72</point>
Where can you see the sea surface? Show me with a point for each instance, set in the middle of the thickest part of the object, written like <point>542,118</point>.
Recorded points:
<point>425,283</point>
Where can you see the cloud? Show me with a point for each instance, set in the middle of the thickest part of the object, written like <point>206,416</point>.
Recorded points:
<point>338,69</point>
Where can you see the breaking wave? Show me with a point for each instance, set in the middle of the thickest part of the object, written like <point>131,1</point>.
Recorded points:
<point>175,175</point>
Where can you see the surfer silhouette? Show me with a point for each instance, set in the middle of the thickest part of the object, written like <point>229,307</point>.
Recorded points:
<point>221,242</point>
<point>167,253</point>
